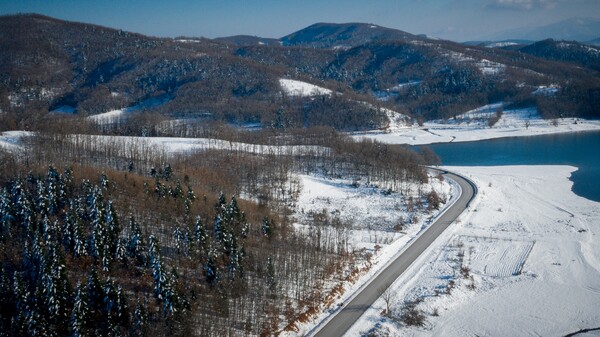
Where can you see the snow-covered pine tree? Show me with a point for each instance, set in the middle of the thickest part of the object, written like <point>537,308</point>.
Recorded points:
<point>218,229</point>
<point>135,244</point>
<point>210,267</point>
<point>7,216</point>
<point>42,203</point>
<point>97,216</point>
<point>54,186</point>
<point>79,314</point>
<point>167,172</point>
<point>200,235</point>
<point>164,284</point>
<point>94,292</point>
<point>266,227</point>
<point>56,288</point>
<point>73,237</point>
<point>140,321</point>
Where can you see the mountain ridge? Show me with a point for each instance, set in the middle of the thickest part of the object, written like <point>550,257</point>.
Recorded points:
<point>577,29</point>
<point>47,63</point>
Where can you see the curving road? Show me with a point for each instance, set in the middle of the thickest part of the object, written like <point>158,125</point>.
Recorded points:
<point>351,312</point>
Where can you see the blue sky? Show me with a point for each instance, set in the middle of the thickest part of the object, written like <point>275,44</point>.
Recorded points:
<point>451,19</point>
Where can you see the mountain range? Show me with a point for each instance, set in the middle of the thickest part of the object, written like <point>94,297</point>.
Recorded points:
<point>47,64</point>
<point>575,29</point>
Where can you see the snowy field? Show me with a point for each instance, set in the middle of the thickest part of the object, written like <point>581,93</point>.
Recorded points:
<point>524,260</point>
<point>11,141</point>
<point>372,216</point>
<point>473,125</point>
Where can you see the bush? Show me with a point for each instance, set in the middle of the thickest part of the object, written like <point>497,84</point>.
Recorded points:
<point>493,120</point>
<point>411,316</point>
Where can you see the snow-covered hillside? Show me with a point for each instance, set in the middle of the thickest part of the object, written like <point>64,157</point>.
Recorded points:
<point>372,217</point>
<point>303,89</point>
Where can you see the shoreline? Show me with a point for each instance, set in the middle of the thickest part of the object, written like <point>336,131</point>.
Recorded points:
<point>511,126</point>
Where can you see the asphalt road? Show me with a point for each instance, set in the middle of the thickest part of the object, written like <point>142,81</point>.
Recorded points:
<point>351,312</point>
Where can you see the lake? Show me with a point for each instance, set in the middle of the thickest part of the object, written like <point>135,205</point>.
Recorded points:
<point>580,149</point>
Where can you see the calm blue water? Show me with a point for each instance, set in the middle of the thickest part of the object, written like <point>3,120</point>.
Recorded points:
<point>576,149</point>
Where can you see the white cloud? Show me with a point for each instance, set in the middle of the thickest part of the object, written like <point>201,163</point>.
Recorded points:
<point>523,4</point>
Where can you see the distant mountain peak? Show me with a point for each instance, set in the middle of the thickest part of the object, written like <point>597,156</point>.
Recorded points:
<point>336,35</point>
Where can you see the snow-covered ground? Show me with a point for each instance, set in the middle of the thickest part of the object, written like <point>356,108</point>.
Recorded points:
<point>113,116</point>
<point>12,140</point>
<point>530,255</point>
<point>473,125</point>
<point>303,89</point>
<point>176,145</point>
<point>372,216</point>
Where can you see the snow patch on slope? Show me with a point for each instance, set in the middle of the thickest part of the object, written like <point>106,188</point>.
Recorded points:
<point>12,141</point>
<point>302,89</point>
<point>114,116</point>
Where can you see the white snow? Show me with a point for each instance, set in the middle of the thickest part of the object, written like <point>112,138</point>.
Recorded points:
<point>473,125</point>
<point>372,216</point>
<point>401,86</point>
<point>396,119</point>
<point>490,68</point>
<point>114,116</point>
<point>501,44</point>
<point>12,140</point>
<point>110,117</point>
<point>176,145</point>
<point>187,41</point>
<point>495,257</point>
<point>303,89</point>
<point>546,90</point>
<point>531,246</point>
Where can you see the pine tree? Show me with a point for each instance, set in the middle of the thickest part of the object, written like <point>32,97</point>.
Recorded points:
<point>218,229</point>
<point>110,230</point>
<point>200,236</point>
<point>8,301</point>
<point>94,292</point>
<point>104,181</point>
<point>109,309</point>
<point>79,314</point>
<point>42,203</point>
<point>163,281</point>
<point>56,288</point>
<point>7,216</point>
<point>167,172</point>
<point>97,217</point>
<point>140,321</point>
<point>135,245</point>
<point>178,238</point>
<point>54,190</point>
<point>210,268</point>
<point>22,307</point>
<point>266,228</point>
<point>73,237</point>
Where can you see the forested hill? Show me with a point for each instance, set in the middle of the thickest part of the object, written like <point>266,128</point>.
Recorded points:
<point>47,64</point>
